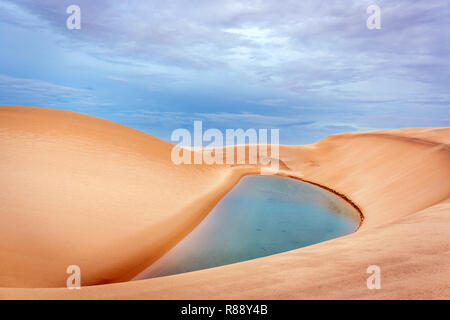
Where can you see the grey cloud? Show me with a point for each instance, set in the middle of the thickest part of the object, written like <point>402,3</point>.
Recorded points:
<point>309,47</point>
<point>38,87</point>
<point>34,90</point>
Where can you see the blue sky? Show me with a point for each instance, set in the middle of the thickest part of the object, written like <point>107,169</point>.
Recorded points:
<point>309,68</point>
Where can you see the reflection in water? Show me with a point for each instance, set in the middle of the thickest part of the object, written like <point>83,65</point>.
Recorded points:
<point>259,217</point>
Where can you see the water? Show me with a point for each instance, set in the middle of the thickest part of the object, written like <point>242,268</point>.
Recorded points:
<point>260,216</point>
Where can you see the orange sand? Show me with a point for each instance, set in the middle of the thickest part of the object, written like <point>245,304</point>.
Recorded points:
<point>80,190</point>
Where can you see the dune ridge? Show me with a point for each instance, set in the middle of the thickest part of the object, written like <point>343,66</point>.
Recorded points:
<point>80,190</point>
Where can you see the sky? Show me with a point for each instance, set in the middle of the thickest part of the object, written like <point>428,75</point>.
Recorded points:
<point>307,68</point>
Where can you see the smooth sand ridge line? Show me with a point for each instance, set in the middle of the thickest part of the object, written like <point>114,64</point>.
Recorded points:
<point>105,213</point>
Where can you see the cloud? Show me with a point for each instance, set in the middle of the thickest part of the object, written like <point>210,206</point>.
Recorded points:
<point>34,90</point>
<point>38,88</point>
<point>219,119</point>
<point>300,45</point>
<point>273,102</point>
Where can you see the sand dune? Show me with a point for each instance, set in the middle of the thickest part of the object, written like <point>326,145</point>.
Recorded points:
<point>81,190</point>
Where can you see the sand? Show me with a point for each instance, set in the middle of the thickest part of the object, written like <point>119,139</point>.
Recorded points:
<point>81,190</point>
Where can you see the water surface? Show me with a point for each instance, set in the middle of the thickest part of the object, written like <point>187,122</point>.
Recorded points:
<point>260,216</point>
